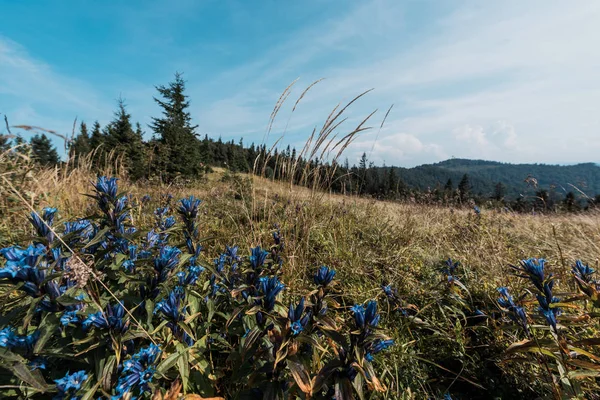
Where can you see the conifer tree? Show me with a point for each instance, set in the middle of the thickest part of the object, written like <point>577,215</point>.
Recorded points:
<point>97,146</point>
<point>464,188</point>
<point>127,143</point>
<point>80,145</point>
<point>4,143</point>
<point>43,151</point>
<point>179,149</point>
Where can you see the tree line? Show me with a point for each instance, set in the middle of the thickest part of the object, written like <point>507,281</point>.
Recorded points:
<point>177,152</point>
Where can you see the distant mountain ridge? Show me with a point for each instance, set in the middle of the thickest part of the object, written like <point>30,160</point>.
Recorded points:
<point>485,175</point>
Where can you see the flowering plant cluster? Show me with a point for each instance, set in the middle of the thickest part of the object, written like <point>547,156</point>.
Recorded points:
<point>559,343</point>
<point>100,308</point>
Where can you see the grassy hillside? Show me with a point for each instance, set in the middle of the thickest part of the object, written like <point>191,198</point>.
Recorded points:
<point>451,337</point>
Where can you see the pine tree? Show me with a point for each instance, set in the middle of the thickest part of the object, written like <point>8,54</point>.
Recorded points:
<point>179,150</point>
<point>80,146</point>
<point>499,191</point>
<point>449,187</point>
<point>97,146</point>
<point>4,143</point>
<point>43,151</point>
<point>127,143</point>
<point>464,188</point>
<point>392,183</point>
<point>362,171</point>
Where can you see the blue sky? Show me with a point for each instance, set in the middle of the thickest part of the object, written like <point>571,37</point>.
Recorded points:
<point>506,80</point>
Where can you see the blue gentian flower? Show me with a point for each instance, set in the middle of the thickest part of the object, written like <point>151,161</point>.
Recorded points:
<point>533,269</point>
<point>450,268</point>
<point>96,319</point>
<point>8,338</point>
<point>583,271</point>
<point>137,372</point>
<point>297,321</point>
<point>170,307</point>
<point>37,363</point>
<point>188,208</point>
<point>69,384</point>
<point>366,317</point>
<point>106,186</point>
<point>550,313</point>
<point>269,288</point>
<point>377,346</point>
<point>359,315</point>
<point>42,225</point>
<point>516,313</point>
<point>324,276</point>
<point>231,252</point>
<point>258,257</point>
<point>477,210</point>
<point>112,318</point>
<point>167,259</point>
<point>193,273</point>
<point>169,222</point>
<point>69,317</point>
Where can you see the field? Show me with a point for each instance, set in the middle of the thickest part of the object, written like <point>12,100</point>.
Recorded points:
<point>451,337</point>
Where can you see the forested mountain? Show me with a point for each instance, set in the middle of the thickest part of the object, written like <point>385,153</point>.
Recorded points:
<point>516,179</point>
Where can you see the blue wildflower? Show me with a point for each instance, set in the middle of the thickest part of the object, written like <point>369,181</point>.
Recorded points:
<point>583,271</point>
<point>297,321</point>
<point>258,257</point>
<point>188,208</point>
<point>269,288</point>
<point>515,312</point>
<point>377,346</point>
<point>533,269</point>
<point>170,307</point>
<point>106,186</point>
<point>549,312</point>
<point>96,319</point>
<point>69,317</point>
<point>477,210</point>
<point>69,384</point>
<point>42,225</point>
<point>324,276</point>
<point>138,372</point>
<point>450,268</point>
<point>37,363</point>
<point>193,273</point>
<point>366,317</point>
<point>359,315</point>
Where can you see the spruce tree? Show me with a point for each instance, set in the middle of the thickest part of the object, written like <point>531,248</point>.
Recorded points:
<point>464,187</point>
<point>43,151</point>
<point>449,185</point>
<point>4,143</point>
<point>80,145</point>
<point>97,146</point>
<point>179,149</point>
<point>127,143</point>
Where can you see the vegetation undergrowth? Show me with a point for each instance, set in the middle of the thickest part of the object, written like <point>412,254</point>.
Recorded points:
<point>452,330</point>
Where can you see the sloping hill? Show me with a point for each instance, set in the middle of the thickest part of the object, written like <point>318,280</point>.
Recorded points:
<point>484,175</point>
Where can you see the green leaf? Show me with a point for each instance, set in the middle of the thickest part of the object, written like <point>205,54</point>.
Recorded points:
<point>47,328</point>
<point>34,378</point>
<point>183,367</point>
<point>168,363</point>
<point>99,236</point>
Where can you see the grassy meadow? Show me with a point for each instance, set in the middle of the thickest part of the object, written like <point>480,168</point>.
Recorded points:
<point>450,339</point>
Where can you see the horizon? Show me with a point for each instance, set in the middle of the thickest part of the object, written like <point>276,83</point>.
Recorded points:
<point>513,83</point>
